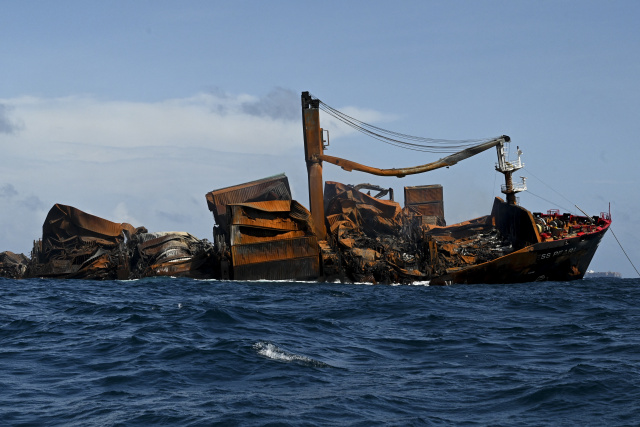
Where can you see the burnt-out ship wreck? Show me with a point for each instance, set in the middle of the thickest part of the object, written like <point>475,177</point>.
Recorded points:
<point>348,234</point>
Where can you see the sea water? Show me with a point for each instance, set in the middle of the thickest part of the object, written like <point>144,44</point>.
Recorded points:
<point>172,351</point>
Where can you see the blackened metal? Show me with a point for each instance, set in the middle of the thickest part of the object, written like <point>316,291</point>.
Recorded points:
<point>271,188</point>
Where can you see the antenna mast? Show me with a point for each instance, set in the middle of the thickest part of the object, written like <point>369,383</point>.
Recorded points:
<point>508,168</point>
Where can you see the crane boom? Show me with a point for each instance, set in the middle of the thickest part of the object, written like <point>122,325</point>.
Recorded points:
<point>450,160</point>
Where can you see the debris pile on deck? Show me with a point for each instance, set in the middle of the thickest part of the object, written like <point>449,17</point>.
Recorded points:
<point>260,233</point>
<point>12,265</point>
<point>78,245</point>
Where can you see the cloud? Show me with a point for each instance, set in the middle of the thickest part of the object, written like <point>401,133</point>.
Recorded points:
<point>8,191</point>
<point>87,129</point>
<point>241,124</point>
<point>22,219</point>
<point>33,203</point>
<point>121,214</point>
<point>279,104</point>
<point>173,217</point>
<point>7,125</point>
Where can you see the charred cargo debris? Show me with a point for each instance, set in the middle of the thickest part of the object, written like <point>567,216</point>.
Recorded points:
<point>260,233</point>
<point>78,245</point>
<point>13,266</point>
<point>379,242</point>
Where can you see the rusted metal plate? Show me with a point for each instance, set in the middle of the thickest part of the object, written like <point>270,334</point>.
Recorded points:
<point>429,209</point>
<point>422,194</point>
<point>276,215</point>
<point>272,240</point>
<point>341,192</point>
<point>427,202</point>
<point>66,222</point>
<point>247,216</point>
<point>271,188</point>
<point>244,235</point>
<point>274,250</point>
<point>268,205</point>
<point>289,269</point>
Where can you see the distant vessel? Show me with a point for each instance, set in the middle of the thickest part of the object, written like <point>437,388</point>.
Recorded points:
<point>607,274</point>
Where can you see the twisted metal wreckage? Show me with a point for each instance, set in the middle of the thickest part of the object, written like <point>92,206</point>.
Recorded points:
<point>260,233</point>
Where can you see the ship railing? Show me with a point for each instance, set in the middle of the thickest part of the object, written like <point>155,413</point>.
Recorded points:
<point>515,187</point>
<point>510,165</point>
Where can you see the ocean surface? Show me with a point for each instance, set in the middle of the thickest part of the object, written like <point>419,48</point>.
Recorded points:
<point>170,351</point>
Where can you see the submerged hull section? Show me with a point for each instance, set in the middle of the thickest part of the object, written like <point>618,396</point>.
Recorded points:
<point>559,260</point>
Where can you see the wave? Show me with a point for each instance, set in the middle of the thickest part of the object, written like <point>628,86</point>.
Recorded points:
<point>274,352</point>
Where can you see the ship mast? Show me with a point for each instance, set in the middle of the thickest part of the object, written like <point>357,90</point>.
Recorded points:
<point>508,168</point>
<point>313,147</point>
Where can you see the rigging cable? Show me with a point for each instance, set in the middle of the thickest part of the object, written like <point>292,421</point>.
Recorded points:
<point>625,252</point>
<point>550,187</point>
<point>548,201</point>
<point>402,140</point>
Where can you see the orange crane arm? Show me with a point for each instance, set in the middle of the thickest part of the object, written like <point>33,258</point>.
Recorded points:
<point>451,160</point>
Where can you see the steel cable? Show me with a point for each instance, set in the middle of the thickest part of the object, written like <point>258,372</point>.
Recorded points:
<point>401,140</point>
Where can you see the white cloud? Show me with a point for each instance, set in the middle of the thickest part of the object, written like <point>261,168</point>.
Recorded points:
<point>189,122</point>
<point>7,124</point>
<point>240,124</point>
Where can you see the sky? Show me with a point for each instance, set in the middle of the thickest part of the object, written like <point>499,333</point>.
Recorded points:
<point>134,110</point>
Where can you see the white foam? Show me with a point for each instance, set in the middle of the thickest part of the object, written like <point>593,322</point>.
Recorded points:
<point>274,352</point>
<point>420,283</point>
<point>315,282</point>
<point>281,281</point>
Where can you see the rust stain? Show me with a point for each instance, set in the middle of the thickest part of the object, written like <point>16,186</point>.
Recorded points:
<point>271,188</point>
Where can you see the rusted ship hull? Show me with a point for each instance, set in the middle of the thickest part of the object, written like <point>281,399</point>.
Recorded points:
<point>379,244</point>
<point>261,233</point>
<point>559,260</point>
<point>368,240</point>
<point>346,235</point>
<point>544,247</point>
